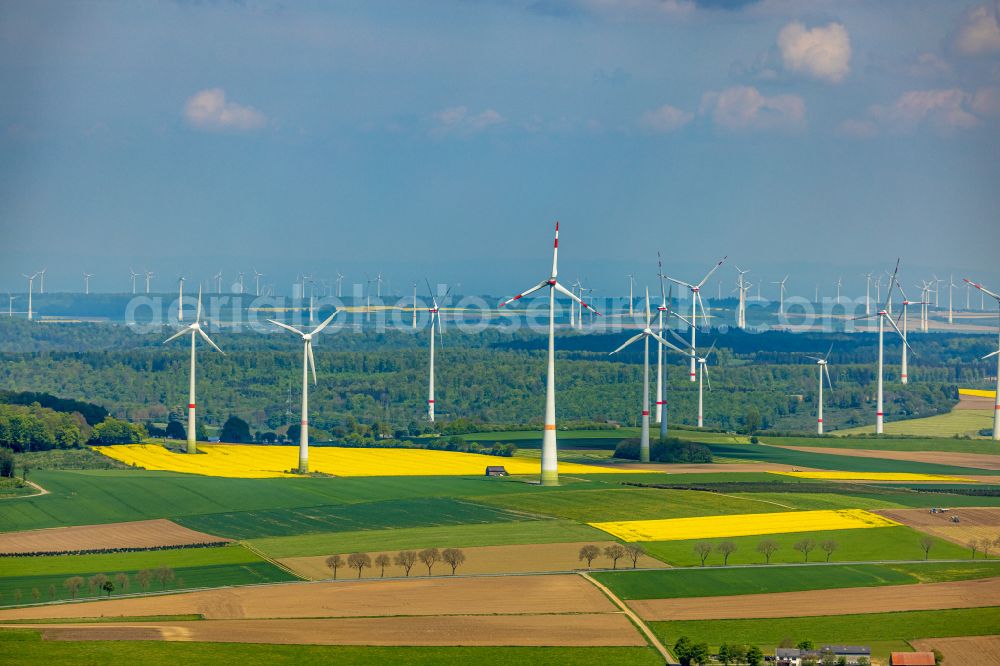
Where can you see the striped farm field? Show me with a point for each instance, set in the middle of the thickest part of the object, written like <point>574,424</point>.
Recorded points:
<point>877,476</point>
<point>747,524</point>
<point>247,461</point>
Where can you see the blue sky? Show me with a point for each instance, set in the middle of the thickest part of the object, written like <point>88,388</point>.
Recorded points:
<point>445,138</point>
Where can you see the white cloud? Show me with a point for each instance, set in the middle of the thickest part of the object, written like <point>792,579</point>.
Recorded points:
<point>945,109</point>
<point>745,108</point>
<point>822,53</point>
<point>979,33</point>
<point>458,119</point>
<point>986,102</point>
<point>209,110</point>
<point>665,119</point>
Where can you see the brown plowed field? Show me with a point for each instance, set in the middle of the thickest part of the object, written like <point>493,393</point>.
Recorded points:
<point>973,460</point>
<point>975,523</point>
<point>533,558</point>
<point>137,534</point>
<point>368,598</point>
<point>585,630</point>
<point>930,596</point>
<point>978,650</point>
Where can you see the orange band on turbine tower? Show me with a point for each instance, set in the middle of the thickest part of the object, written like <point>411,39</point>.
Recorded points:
<point>550,426</point>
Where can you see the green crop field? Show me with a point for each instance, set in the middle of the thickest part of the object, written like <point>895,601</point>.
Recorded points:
<point>860,629</point>
<point>709,582</point>
<point>193,567</point>
<point>458,536</point>
<point>963,422</point>
<point>948,444</point>
<point>629,504</point>
<point>27,648</point>
<point>414,512</point>
<point>859,545</point>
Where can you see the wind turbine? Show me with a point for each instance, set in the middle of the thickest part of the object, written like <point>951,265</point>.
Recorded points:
<point>996,403</point>
<point>218,283</point>
<point>937,286</point>
<point>868,293</point>
<point>86,282</point>
<point>10,304</point>
<point>550,463</point>
<point>340,279</point>
<point>741,309</point>
<point>308,361</point>
<point>180,298</point>
<point>194,328</point>
<point>415,308</point>
<point>41,281</point>
<point>883,316</point>
<point>435,312</point>
<point>240,280</point>
<point>134,275</point>
<point>31,280</point>
<point>951,290</point>
<point>695,290</point>
<point>839,283</point>
<point>821,363</point>
<point>645,334</point>
<point>256,278</point>
<point>903,377</point>
<point>781,295</point>
<point>702,377</point>
<point>378,286</point>
<point>149,277</point>
<point>631,282</point>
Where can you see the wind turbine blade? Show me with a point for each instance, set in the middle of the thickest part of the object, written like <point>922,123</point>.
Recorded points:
<point>977,286</point>
<point>286,326</point>
<point>899,286</point>
<point>814,358</point>
<point>709,274</point>
<point>680,282</point>
<point>186,329</point>
<point>659,273</point>
<point>209,340</point>
<point>888,291</point>
<point>312,359</point>
<point>325,323</point>
<point>669,345</point>
<point>563,290</point>
<point>649,316</point>
<point>197,316</point>
<point>899,333</point>
<point>638,336</point>
<point>701,305</point>
<point>829,382</point>
<point>538,286</point>
<point>828,352</point>
<point>684,342</point>
<point>990,354</point>
<point>440,330</point>
<point>708,376</point>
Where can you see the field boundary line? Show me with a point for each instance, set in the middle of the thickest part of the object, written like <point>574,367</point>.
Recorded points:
<point>41,491</point>
<point>264,556</point>
<point>636,620</point>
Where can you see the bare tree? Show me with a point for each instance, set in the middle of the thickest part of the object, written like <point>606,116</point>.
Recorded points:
<point>703,549</point>
<point>974,546</point>
<point>828,546</point>
<point>985,545</point>
<point>122,580</point>
<point>926,543</point>
<point>805,546</point>
<point>767,548</point>
<point>95,582</point>
<point>590,552</point>
<point>453,557</point>
<point>73,585</point>
<point>359,561</point>
<point>144,576</point>
<point>334,562</point>
<point>382,561</point>
<point>406,559</point>
<point>634,552</point>
<point>163,576</point>
<point>17,595</point>
<point>36,594</point>
<point>615,552</point>
<point>52,592</point>
<point>430,557</point>
<point>727,548</point>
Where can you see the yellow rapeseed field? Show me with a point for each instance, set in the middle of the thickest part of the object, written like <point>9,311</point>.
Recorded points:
<point>247,461</point>
<point>876,476</point>
<point>746,524</point>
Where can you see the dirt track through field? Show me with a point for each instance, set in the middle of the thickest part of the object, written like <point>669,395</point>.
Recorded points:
<point>531,558</point>
<point>136,534</point>
<point>978,650</point>
<point>520,630</point>
<point>973,460</point>
<point>974,523</point>
<point>500,595</point>
<point>930,596</point>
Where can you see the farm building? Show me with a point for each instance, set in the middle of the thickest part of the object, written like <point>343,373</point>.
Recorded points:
<point>496,470</point>
<point>912,659</point>
<point>852,655</point>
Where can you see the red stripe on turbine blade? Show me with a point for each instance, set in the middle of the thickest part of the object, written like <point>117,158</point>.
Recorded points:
<point>517,297</point>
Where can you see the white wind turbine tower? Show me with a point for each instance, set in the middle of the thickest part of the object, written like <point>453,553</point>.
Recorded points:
<point>968,297</point>
<point>951,291</point>
<point>218,283</point>
<point>180,298</point>
<point>415,309</point>
<point>631,282</point>
<point>308,361</point>
<point>240,281</point>
<point>741,309</point>
<point>868,293</point>
<point>645,334</point>
<point>149,277</point>
<point>781,295</point>
<point>134,275</point>
<point>903,376</point>
<point>839,283</point>
<point>194,328</point>
<point>821,363</point>
<point>550,463</point>
<point>31,280</point>
<point>883,316</point>
<point>703,377</point>
<point>256,278</point>
<point>86,282</point>
<point>996,401</point>
<point>41,280</point>
<point>10,304</point>
<point>435,312</point>
<point>340,279</point>
<point>695,290</point>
